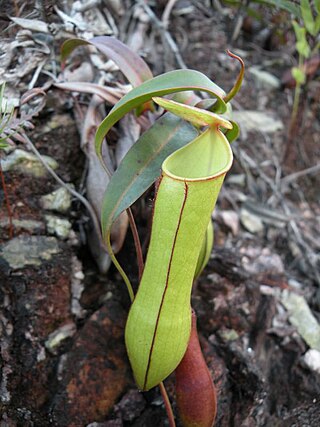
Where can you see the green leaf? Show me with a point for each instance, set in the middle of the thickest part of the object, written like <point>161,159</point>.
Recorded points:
<point>232,134</point>
<point>307,17</point>
<point>171,82</point>
<point>317,24</point>
<point>3,144</point>
<point>287,5</point>
<point>196,116</point>
<point>188,97</point>
<point>299,75</point>
<point>142,166</point>
<point>130,64</point>
<point>302,45</point>
<point>1,97</point>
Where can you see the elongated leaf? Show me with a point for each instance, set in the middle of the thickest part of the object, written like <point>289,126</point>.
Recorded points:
<point>130,64</point>
<point>302,45</point>
<point>287,5</point>
<point>200,117</point>
<point>171,82</point>
<point>307,17</point>
<point>195,115</point>
<point>317,26</point>
<point>142,166</point>
<point>111,95</point>
<point>159,321</point>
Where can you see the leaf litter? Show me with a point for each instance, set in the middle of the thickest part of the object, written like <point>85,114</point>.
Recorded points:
<point>278,196</point>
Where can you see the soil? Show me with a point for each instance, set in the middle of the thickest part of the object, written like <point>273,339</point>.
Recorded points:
<point>63,356</point>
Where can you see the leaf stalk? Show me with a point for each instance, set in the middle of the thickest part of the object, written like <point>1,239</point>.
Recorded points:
<point>238,82</point>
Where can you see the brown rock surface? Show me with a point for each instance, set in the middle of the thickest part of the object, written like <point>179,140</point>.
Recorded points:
<point>94,373</point>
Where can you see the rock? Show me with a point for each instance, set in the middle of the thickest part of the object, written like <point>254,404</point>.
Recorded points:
<point>77,288</point>
<point>264,80</point>
<point>306,415</point>
<point>227,334</point>
<point>59,200</point>
<point>266,214</point>
<point>231,221</point>
<point>236,368</point>
<point>83,73</point>
<point>237,179</point>
<point>263,262</point>
<point>262,121</point>
<point>29,250</point>
<point>293,283</point>
<point>95,371</point>
<point>24,224</point>
<point>56,121</point>
<point>311,359</point>
<point>37,301</point>
<point>112,423</point>
<point>250,221</point>
<point>302,318</point>
<point>27,163</point>
<point>131,405</point>
<point>56,338</point>
<point>58,226</point>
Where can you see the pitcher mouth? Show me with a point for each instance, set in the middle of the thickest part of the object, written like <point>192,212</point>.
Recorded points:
<point>216,145</point>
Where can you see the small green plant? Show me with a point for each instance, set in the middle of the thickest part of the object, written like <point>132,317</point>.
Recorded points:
<point>307,45</point>
<point>287,5</point>
<point>186,151</point>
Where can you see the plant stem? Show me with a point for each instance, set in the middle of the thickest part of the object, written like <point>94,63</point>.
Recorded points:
<point>167,405</point>
<point>9,210</point>
<point>296,100</point>
<point>119,268</point>
<point>294,114</point>
<point>137,242</point>
<point>297,92</point>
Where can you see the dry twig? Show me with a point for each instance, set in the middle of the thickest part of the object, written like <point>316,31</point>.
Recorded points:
<point>166,35</point>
